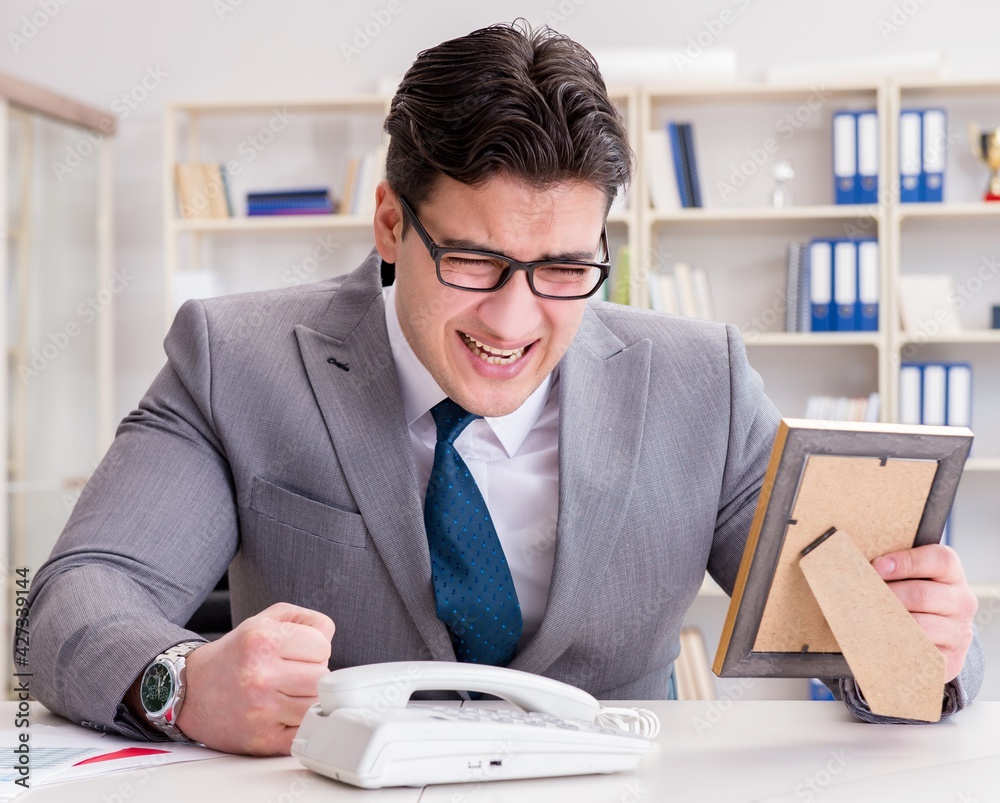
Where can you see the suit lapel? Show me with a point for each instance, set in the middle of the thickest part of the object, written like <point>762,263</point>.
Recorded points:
<point>359,398</point>
<point>603,387</point>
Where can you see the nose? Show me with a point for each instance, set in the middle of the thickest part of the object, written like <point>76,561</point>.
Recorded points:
<point>512,311</point>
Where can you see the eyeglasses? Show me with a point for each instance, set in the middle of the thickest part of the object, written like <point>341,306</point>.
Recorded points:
<point>485,271</point>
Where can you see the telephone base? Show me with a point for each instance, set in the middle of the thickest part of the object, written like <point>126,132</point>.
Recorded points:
<point>421,745</point>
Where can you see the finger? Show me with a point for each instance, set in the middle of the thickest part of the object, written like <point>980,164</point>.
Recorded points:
<point>262,642</point>
<point>293,710</point>
<point>298,642</point>
<point>946,633</point>
<point>929,562</point>
<point>296,679</point>
<point>286,612</point>
<point>930,596</point>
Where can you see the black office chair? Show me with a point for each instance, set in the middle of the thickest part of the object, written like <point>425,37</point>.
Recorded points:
<point>214,618</point>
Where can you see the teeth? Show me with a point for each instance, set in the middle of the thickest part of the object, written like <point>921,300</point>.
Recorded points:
<point>494,356</point>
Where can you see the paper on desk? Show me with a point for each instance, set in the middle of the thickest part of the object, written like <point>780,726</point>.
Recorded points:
<point>68,752</point>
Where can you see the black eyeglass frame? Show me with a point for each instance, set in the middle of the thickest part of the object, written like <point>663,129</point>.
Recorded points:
<point>437,251</point>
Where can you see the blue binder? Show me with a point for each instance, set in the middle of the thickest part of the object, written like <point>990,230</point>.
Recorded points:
<point>821,285</point>
<point>868,156</point>
<point>845,286</point>
<point>934,150</point>
<point>911,159</point>
<point>680,164</point>
<point>868,285</point>
<point>845,158</point>
<point>691,163</point>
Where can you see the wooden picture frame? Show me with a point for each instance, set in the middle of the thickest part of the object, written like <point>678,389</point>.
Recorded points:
<point>889,486</point>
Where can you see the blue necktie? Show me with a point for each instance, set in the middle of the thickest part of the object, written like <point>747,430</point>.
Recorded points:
<point>475,594</point>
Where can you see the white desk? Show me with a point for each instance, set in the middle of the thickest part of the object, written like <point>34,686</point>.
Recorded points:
<point>706,751</point>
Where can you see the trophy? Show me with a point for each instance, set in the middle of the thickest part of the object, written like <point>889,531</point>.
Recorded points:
<point>986,148</point>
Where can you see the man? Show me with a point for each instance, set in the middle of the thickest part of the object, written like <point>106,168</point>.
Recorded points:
<point>304,438</point>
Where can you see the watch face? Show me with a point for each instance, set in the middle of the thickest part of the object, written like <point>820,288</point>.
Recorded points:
<point>156,688</point>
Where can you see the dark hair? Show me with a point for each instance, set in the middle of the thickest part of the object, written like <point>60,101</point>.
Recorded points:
<point>505,100</point>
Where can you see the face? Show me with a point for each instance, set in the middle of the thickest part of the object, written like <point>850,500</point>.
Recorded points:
<point>489,351</point>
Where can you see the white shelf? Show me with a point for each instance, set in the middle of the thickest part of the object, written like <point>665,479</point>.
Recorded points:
<point>767,213</point>
<point>717,93</point>
<point>265,223</point>
<point>978,464</point>
<point>971,336</point>
<point>948,211</point>
<point>812,339</point>
<point>347,103</point>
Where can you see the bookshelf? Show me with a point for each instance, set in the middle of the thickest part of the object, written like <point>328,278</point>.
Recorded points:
<point>265,143</point>
<point>956,237</point>
<point>219,131</point>
<point>739,239</point>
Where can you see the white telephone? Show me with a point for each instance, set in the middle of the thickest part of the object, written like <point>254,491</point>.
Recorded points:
<point>363,732</point>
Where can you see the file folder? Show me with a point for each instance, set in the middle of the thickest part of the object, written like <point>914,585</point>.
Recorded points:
<point>910,155</point>
<point>868,285</point>
<point>911,380</point>
<point>933,400</point>
<point>868,157</point>
<point>845,285</point>
<point>959,395</point>
<point>820,285</point>
<point>845,157</point>
<point>935,154</point>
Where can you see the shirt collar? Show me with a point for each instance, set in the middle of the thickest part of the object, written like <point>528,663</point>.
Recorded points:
<point>420,391</point>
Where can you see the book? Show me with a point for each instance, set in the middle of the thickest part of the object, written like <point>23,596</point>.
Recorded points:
<point>793,268</point>
<point>679,159</point>
<point>927,305</point>
<point>661,172</point>
<point>691,164</point>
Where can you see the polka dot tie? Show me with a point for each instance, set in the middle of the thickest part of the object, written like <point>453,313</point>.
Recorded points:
<point>472,583</point>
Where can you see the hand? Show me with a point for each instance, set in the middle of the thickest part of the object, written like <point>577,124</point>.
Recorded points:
<point>248,691</point>
<point>930,582</point>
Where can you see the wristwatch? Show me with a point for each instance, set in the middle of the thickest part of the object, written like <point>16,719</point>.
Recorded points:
<point>162,689</point>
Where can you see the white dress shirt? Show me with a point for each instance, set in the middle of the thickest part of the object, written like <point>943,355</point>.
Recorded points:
<point>514,460</point>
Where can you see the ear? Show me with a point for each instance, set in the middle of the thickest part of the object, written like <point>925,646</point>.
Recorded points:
<point>388,222</point>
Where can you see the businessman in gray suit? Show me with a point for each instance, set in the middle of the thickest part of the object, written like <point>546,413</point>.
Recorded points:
<point>294,436</point>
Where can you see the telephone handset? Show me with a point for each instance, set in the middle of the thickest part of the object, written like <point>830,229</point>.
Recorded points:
<point>363,732</point>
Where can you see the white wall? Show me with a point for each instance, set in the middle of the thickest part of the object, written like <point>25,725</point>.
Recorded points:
<point>100,50</point>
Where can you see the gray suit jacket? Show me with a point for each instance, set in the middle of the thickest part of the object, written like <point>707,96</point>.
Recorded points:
<point>253,450</point>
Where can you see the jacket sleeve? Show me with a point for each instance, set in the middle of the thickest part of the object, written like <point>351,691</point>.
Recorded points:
<point>151,534</point>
